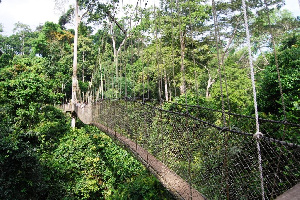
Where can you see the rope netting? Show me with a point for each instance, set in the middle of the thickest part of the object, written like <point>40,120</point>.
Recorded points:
<point>192,145</point>
<point>222,154</point>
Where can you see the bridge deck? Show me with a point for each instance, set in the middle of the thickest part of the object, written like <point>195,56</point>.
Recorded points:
<point>291,194</point>
<point>175,184</point>
<point>172,182</point>
<point>179,187</point>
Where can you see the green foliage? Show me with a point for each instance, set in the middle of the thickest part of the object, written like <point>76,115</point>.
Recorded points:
<point>89,165</point>
<point>29,91</point>
<point>4,60</point>
<point>22,175</point>
<point>42,158</point>
<point>236,85</point>
<point>141,187</point>
<point>289,65</point>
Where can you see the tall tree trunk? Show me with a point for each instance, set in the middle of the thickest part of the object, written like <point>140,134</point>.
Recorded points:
<point>182,68</point>
<point>83,67</point>
<point>166,86</point>
<point>159,90</point>
<point>209,84</point>
<point>101,86</point>
<point>101,74</point>
<point>170,90</point>
<point>101,81</point>
<point>116,51</point>
<point>23,43</point>
<point>74,76</point>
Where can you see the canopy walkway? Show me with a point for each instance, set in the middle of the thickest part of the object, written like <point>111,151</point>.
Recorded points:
<point>193,157</point>
<point>196,151</point>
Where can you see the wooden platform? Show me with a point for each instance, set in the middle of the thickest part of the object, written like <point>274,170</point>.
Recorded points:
<point>67,107</point>
<point>291,194</point>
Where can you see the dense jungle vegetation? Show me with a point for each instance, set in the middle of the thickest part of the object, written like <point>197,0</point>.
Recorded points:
<point>167,53</point>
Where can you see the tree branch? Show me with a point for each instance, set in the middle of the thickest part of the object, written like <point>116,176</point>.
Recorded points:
<point>115,21</point>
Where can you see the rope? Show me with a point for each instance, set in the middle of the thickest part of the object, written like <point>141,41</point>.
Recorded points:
<point>257,134</point>
<point>240,115</point>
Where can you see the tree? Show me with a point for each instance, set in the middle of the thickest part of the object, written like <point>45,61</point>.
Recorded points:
<point>269,93</point>
<point>186,18</point>
<point>18,43</point>
<point>117,31</point>
<point>271,21</point>
<point>22,31</point>
<point>77,20</point>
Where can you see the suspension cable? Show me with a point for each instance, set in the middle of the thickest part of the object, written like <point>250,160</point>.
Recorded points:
<point>258,134</point>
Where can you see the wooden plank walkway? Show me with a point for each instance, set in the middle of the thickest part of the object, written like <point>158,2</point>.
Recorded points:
<point>291,194</point>
<point>171,181</point>
<point>175,184</point>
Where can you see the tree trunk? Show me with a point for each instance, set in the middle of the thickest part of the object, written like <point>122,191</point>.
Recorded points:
<point>159,90</point>
<point>23,43</point>
<point>116,52</point>
<point>182,68</point>
<point>101,74</point>
<point>209,84</point>
<point>101,81</point>
<point>74,76</point>
<point>83,67</point>
<point>170,90</point>
<point>166,86</point>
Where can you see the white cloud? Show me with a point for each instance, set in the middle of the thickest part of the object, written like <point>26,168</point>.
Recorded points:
<point>293,6</point>
<point>30,12</point>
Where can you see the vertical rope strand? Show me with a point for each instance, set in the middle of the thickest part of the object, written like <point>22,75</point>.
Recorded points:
<point>251,65</point>
<point>257,134</point>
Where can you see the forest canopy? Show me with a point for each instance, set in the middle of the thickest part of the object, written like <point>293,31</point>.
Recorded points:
<point>167,53</point>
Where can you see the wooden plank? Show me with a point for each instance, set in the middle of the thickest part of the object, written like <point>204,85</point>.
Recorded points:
<point>291,194</point>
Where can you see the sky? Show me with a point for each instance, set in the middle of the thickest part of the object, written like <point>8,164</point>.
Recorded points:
<point>37,12</point>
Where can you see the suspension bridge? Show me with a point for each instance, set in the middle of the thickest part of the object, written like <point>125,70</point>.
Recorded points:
<point>196,151</point>
<point>195,158</point>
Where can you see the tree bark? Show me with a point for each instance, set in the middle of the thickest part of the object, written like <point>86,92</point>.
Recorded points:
<point>182,68</point>
<point>101,81</point>
<point>74,76</point>
<point>116,51</point>
<point>23,44</point>
<point>166,86</point>
<point>210,82</point>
